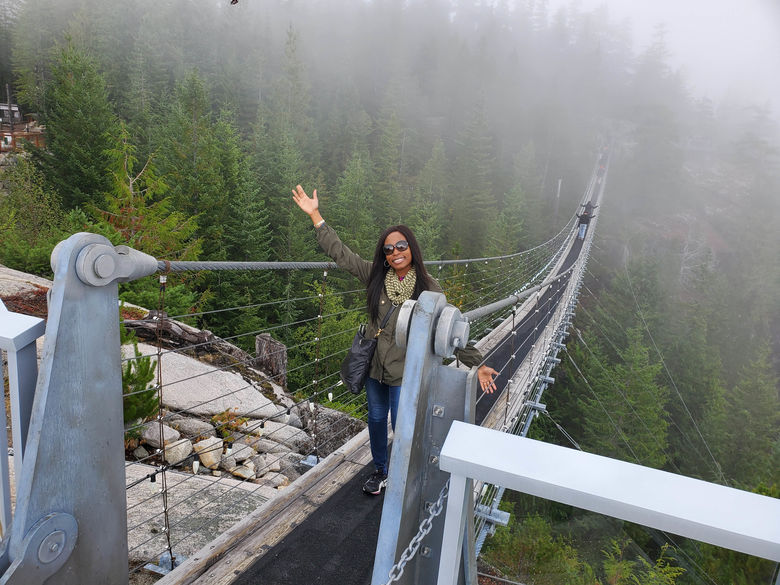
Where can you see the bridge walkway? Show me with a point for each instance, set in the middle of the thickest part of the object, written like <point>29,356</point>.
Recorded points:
<point>329,535</point>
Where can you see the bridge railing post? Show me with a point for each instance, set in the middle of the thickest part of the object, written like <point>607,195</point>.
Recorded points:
<point>70,517</point>
<point>708,512</point>
<point>432,396</point>
<point>18,334</point>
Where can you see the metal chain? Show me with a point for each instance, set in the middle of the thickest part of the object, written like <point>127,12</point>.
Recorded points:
<point>425,527</point>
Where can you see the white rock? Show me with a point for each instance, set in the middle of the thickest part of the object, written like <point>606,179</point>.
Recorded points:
<point>228,463</point>
<point>192,427</point>
<point>150,433</point>
<point>209,451</point>
<point>292,438</point>
<point>272,479</point>
<point>265,445</point>
<point>203,390</point>
<point>258,463</point>
<point>242,451</point>
<point>178,451</point>
<point>243,472</point>
<point>274,463</point>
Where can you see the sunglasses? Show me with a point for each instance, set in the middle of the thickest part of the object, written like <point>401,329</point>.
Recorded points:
<point>400,245</point>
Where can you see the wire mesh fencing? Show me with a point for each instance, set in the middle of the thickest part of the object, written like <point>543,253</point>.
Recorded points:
<point>226,406</point>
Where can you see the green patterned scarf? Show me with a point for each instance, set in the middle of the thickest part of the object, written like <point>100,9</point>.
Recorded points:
<point>400,290</point>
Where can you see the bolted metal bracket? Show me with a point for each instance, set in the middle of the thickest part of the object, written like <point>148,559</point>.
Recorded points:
<point>492,515</point>
<point>45,548</point>
<point>452,331</point>
<point>99,264</point>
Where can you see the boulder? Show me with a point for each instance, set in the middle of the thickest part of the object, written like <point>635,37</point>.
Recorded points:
<point>290,464</point>
<point>192,427</point>
<point>243,451</point>
<point>243,472</point>
<point>272,479</point>
<point>228,463</point>
<point>294,420</point>
<point>209,451</point>
<point>150,434</point>
<point>292,438</point>
<point>258,463</point>
<point>178,451</point>
<point>202,390</point>
<point>268,463</point>
<point>265,445</point>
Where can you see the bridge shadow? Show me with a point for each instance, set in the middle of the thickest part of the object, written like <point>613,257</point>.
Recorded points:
<point>334,545</point>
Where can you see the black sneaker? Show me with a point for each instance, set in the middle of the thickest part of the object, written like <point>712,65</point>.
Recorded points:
<point>375,483</point>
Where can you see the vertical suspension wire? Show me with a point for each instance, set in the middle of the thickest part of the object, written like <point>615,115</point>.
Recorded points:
<point>511,367</point>
<point>317,354</point>
<point>163,464</point>
<point>463,286</point>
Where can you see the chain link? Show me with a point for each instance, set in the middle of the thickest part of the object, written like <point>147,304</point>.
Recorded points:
<point>414,544</point>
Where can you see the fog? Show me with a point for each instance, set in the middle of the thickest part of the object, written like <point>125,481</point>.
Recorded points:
<point>727,50</point>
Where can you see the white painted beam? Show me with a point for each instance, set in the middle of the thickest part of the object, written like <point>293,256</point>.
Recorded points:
<point>712,513</point>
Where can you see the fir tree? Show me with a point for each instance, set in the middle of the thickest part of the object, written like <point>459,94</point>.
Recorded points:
<point>80,124</point>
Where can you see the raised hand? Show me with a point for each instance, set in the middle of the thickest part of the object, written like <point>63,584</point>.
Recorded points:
<point>308,204</point>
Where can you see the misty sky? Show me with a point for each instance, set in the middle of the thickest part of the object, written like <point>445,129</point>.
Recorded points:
<point>723,46</point>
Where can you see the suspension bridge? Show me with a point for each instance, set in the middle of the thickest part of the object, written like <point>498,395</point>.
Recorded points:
<point>454,453</point>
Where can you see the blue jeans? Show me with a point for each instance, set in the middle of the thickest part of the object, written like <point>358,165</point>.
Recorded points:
<point>381,398</point>
<point>583,228</point>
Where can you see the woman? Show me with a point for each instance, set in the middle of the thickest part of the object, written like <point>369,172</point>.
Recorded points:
<point>396,274</point>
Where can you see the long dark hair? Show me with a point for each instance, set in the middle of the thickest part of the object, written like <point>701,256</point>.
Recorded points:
<point>376,280</point>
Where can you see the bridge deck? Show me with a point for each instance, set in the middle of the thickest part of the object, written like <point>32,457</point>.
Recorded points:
<point>326,532</point>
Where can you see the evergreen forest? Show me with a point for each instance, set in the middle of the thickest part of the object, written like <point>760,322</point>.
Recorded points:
<point>179,127</point>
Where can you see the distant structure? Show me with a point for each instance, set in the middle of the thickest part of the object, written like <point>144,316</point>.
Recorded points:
<point>14,128</point>
<point>10,114</point>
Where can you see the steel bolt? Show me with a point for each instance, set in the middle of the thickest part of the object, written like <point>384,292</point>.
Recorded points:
<point>104,265</point>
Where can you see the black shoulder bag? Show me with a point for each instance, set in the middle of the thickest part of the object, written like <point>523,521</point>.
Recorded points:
<point>354,368</point>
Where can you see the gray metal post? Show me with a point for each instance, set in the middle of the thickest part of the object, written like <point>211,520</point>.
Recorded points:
<point>70,517</point>
<point>433,396</point>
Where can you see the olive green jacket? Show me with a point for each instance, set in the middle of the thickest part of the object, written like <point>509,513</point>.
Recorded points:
<point>387,366</point>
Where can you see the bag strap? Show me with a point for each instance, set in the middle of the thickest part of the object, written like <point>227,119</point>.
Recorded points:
<point>384,321</point>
